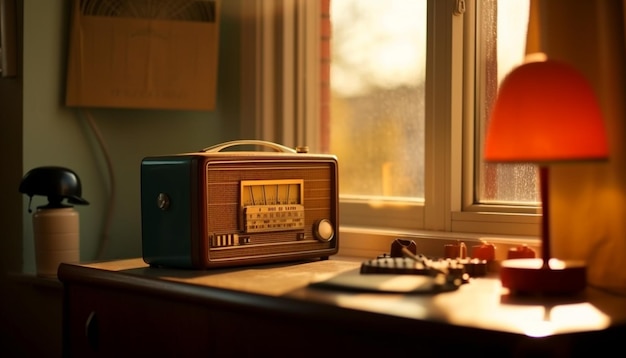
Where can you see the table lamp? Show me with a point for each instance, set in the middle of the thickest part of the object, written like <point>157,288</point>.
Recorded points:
<point>545,113</point>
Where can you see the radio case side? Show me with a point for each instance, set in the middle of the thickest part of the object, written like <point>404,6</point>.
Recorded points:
<point>169,217</point>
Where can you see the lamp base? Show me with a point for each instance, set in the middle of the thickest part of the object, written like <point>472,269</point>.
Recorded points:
<point>531,276</point>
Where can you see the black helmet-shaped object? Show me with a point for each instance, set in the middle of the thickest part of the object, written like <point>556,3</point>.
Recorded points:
<point>56,183</point>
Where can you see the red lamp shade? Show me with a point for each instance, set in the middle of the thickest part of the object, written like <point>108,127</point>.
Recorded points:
<point>545,112</point>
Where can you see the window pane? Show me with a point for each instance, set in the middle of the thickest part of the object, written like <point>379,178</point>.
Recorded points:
<point>503,26</point>
<point>377,107</point>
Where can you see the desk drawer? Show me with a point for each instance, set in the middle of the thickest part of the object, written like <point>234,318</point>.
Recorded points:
<point>111,323</point>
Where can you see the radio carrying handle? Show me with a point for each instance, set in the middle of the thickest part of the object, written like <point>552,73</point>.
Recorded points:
<point>263,143</point>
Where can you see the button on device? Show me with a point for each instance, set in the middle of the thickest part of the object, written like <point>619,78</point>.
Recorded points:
<point>323,230</point>
<point>163,201</point>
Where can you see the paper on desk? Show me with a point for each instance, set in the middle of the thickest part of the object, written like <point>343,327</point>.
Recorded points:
<point>274,280</point>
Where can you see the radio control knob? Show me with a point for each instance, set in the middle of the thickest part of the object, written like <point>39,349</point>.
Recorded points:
<point>163,201</point>
<point>323,230</point>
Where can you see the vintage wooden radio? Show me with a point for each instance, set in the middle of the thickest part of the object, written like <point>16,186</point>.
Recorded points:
<point>219,207</point>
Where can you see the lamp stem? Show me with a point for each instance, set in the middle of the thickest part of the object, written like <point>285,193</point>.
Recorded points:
<point>544,183</point>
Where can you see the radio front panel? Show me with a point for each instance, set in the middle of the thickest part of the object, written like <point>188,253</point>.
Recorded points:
<point>267,208</point>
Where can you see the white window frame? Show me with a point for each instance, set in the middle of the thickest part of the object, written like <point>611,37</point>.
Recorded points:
<point>281,55</point>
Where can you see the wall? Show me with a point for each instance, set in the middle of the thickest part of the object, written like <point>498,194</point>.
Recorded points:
<point>588,203</point>
<point>58,135</point>
<point>36,129</point>
<point>11,169</point>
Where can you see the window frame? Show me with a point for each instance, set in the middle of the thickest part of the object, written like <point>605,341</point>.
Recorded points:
<point>280,53</point>
<point>470,216</point>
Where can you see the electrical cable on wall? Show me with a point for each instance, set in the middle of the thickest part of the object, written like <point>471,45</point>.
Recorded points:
<point>104,239</point>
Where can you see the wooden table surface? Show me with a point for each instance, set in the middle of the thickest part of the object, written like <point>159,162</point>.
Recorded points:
<point>482,303</point>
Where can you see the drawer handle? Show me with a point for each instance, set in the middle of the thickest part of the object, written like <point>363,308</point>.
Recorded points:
<point>92,331</point>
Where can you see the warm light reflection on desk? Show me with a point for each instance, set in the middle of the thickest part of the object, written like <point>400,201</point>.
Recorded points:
<point>583,316</point>
<point>542,321</point>
<point>493,309</point>
<point>483,303</point>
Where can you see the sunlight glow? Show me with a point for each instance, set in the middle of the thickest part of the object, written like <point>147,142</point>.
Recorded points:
<point>383,46</point>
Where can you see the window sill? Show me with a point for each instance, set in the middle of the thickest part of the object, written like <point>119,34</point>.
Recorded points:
<point>370,242</point>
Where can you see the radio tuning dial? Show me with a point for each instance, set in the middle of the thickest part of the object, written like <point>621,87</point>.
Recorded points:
<point>323,230</point>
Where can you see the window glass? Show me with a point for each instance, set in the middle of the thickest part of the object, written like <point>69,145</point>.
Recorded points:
<point>377,117</point>
<point>502,30</point>
<point>377,96</point>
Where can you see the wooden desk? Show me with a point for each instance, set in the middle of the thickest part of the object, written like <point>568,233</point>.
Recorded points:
<point>125,308</point>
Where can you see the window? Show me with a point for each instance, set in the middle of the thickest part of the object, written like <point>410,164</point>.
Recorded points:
<point>503,44</point>
<point>409,113</point>
<point>378,97</point>
<point>411,85</point>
